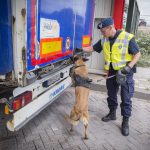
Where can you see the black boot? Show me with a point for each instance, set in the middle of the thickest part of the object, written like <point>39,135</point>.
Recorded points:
<point>125,126</point>
<point>110,116</point>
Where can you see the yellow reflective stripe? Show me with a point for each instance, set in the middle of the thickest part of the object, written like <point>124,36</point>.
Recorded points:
<point>106,39</point>
<point>118,64</point>
<point>119,41</point>
<point>126,42</point>
<point>103,40</point>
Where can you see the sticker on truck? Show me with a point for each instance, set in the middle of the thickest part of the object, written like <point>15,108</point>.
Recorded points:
<point>49,28</point>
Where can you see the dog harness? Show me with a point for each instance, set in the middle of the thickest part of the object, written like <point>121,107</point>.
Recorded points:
<point>82,81</point>
<point>79,80</point>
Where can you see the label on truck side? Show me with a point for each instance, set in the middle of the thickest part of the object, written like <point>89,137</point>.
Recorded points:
<point>49,28</point>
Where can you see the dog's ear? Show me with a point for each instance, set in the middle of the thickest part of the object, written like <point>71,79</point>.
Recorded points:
<point>76,58</point>
<point>85,59</point>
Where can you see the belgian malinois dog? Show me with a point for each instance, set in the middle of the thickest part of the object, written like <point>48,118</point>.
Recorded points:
<point>81,81</point>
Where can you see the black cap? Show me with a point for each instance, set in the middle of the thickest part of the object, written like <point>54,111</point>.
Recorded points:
<point>105,22</point>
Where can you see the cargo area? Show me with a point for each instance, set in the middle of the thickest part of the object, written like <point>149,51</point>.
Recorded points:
<point>40,36</point>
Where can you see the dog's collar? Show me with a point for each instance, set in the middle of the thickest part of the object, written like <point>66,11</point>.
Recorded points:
<point>78,66</point>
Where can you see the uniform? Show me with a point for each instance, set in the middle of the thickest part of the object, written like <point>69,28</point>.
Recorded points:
<point>127,89</point>
<point>120,54</point>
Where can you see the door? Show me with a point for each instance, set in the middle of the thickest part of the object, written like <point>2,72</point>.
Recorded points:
<point>103,9</point>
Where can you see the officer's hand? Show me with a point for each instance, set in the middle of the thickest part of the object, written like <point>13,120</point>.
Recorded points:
<point>88,49</point>
<point>78,50</point>
<point>121,78</point>
<point>126,70</point>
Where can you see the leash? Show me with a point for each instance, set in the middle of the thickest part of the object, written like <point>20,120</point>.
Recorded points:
<point>112,76</point>
<point>120,78</point>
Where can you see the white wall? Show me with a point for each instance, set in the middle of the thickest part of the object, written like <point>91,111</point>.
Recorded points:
<point>103,9</point>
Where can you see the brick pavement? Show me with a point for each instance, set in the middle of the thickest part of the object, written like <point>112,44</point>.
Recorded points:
<point>49,130</point>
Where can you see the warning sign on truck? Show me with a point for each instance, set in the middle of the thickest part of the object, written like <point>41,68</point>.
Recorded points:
<point>50,46</point>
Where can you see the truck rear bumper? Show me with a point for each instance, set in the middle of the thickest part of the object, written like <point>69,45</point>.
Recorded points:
<point>24,115</point>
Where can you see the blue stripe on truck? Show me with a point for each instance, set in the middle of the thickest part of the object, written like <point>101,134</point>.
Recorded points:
<point>6,50</point>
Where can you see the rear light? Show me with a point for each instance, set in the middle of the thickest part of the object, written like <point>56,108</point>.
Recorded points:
<point>6,110</point>
<point>22,100</point>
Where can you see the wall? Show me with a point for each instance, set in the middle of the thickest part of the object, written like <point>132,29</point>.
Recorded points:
<point>103,9</point>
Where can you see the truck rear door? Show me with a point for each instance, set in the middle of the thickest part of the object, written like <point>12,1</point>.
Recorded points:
<point>43,32</point>
<point>55,29</point>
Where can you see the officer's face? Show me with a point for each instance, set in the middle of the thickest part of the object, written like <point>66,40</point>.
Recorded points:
<point>106,31</point>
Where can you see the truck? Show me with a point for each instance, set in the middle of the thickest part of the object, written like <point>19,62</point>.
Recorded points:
<point>37,40</point>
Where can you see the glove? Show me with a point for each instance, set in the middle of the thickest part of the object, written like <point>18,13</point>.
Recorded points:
<point>126,70</point>
<point>121,78</point>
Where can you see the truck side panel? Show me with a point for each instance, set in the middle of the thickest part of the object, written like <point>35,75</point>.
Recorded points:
<point>6,51</point>
<point>55,29</point>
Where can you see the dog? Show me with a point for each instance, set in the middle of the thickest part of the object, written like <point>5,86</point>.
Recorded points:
<point>79,111</point>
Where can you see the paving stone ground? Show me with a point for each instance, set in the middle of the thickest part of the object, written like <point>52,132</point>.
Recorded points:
<point>50,131</point>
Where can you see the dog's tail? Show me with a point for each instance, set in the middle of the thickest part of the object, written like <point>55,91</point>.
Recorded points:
<point>71,121</point>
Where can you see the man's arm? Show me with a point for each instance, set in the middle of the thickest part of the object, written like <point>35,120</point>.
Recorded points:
<point>88,49</point>
<point>127,69</point>
<point>135,59</point>
<point>134,50</point>
<point>96,47</point>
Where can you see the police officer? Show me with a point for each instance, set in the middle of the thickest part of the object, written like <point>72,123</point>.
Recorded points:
<point>121,53</point>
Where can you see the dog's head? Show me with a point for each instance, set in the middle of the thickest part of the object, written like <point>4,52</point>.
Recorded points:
<point>78,59</point>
